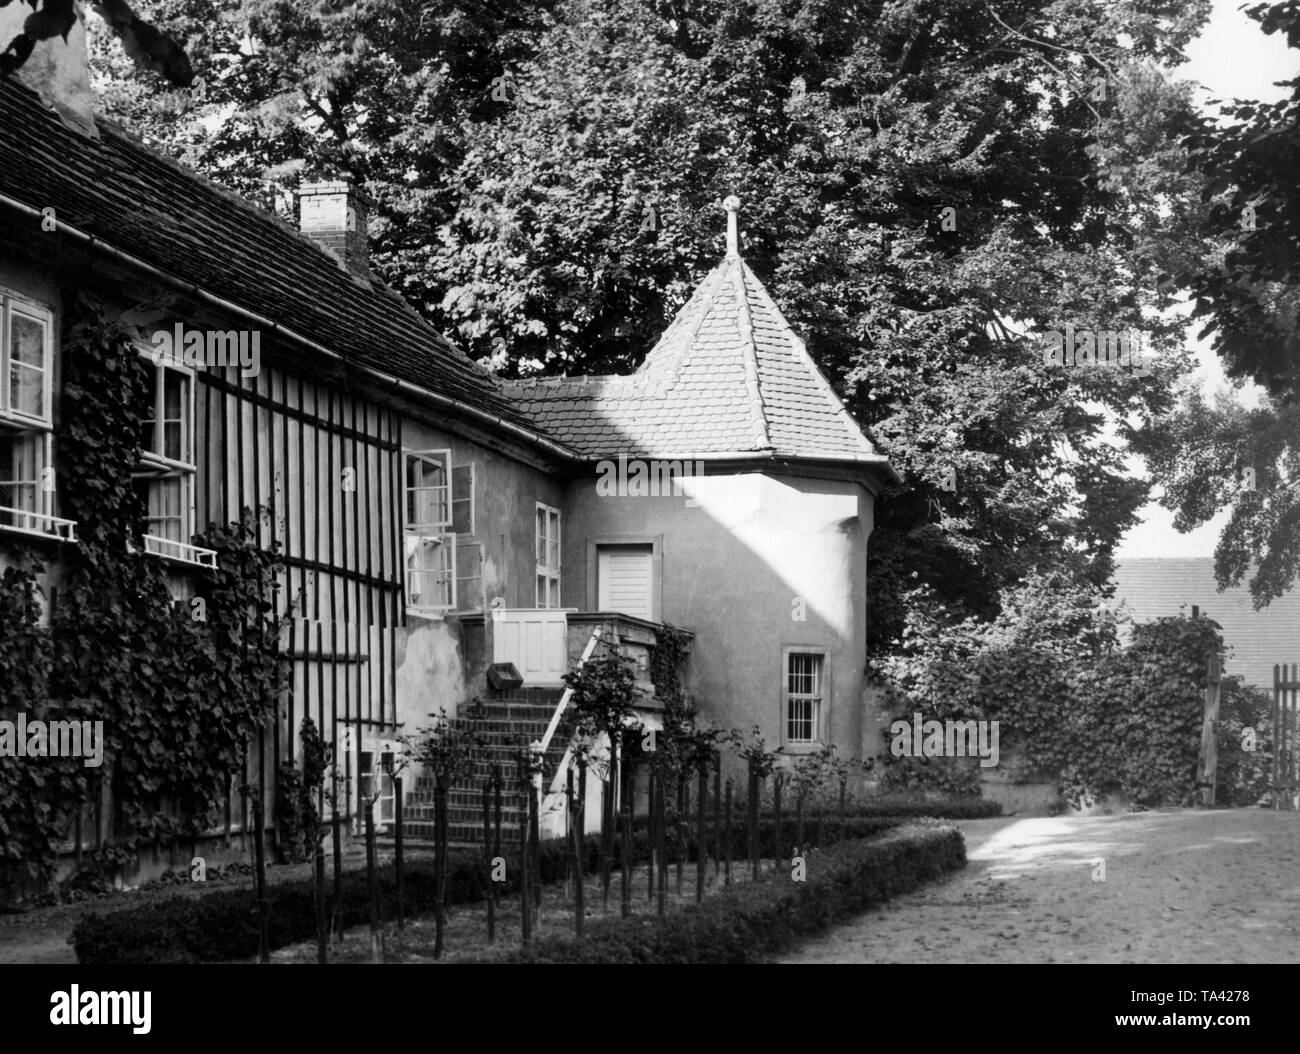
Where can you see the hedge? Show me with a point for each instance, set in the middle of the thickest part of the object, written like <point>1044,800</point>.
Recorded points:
<point>903,807</point>
<point>222,925</point>
<point>752,921</point>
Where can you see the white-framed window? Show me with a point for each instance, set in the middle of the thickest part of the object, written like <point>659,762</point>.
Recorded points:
<point>26,362</point>
<point>547,534</point>
<point>469,576</point>
<point>27,487</point>
<point>430,572</point>
<point>164,478</point>
<point>803,694</point>
<point>430,545</point>
<point>428,491</point>
<point>375,783</point>
<point>462,500</point>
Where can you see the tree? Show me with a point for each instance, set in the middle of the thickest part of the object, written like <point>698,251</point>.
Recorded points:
<point>146,47</point>
<point>929,187</point>
<point>1246,288</point>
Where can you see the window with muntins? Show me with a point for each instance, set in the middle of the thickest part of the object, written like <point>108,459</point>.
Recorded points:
<point>164,478</point>
<point>430,544</point>
<point>548,556</point>
<point>804,677</point>
<point>26,361</point>
<point>27,487</point>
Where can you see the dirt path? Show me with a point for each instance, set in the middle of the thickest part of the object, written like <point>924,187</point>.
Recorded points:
<point>1178,887</point>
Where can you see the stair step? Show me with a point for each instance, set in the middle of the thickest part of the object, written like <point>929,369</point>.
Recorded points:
<point>508,723</point>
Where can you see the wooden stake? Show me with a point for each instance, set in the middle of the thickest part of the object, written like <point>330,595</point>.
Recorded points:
<point>727,834</point>
<point>702,836</point>
<point>661,838</point>
<point>399,860</point>
<point>650,832</point>
<point>776,817</point>
<point>625,886</point>
<point>525,900</point>
<point>1207,761</point>
<point>487,861</point>
<point>580,852</point>
<point>717,813</point>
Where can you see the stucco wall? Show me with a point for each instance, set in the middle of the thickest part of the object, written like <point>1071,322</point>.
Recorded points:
<point>756,552</point>
<point>434,670</point>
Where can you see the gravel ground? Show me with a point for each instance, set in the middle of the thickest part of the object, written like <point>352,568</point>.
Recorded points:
<point>1176,887</point>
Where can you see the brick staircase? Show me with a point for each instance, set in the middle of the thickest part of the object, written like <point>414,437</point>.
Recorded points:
<point>512,721</point>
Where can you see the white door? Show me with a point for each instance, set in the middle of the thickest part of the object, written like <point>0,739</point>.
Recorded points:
<point>536,641</point>
<point>624,574</point>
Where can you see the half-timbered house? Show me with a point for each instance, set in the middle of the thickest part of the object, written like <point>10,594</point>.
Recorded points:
<point>433,520</point>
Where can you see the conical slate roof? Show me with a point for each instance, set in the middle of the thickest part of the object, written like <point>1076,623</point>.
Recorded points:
<point>728,378</point>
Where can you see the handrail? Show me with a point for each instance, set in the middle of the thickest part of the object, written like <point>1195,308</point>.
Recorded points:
<point>563,704</point>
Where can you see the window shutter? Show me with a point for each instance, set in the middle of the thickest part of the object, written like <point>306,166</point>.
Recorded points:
<point>462,499</point>
<point>469,576</point>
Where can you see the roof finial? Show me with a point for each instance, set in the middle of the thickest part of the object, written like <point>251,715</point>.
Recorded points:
<point>732,204</point>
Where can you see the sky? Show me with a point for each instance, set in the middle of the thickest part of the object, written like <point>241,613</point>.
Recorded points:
<point>1231,59</point>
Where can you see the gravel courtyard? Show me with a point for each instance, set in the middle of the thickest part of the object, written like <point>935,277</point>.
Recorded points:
<point>1178,887</point>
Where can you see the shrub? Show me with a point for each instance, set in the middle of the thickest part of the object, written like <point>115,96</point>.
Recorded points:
<point>1071,703</point>
<point>752,921</point>
<point>222,925</point>
<point>1243,774</point>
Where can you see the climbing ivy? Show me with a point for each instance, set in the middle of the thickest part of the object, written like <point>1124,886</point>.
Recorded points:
<point>1070,701</point>
<point>180,688</point>
<point>668,660</point>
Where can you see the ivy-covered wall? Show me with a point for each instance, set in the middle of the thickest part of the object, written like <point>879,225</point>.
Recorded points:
<point>1072,704</point>
<point>180,689</point>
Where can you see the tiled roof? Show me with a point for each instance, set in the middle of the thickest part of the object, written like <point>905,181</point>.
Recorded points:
<point>1156,586</point>
<point>727,377</point>
<point>151,208</point>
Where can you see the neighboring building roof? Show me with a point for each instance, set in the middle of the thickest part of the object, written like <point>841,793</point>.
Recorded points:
<point>729,377</point>
<point>151,208</point>
<point>1156,586</point>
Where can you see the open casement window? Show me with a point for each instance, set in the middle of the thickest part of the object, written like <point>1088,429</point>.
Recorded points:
<point>548,556</point>
<point>26,362</point>
<point>428,491</point>
<point>803,695</point>
<point>376,781</point>
<point>462,500</point>
<point>164,478</point>
<point>430,573</point>
<point>27,486</point>
<point>469,577</point>
<point>430,545</point>
<point>27,480</point>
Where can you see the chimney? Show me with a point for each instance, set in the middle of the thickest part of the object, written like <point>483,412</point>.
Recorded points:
<point>335,215</point>
<point>56,69</point>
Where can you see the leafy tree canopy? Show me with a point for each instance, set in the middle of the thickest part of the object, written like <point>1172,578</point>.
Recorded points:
<point>549,176</point>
